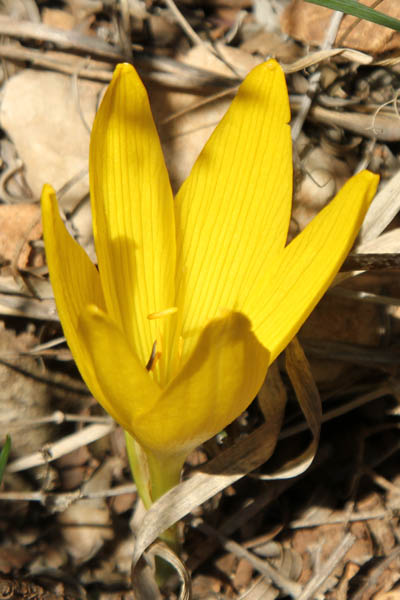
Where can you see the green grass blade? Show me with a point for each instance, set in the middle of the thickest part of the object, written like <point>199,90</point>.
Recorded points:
<point>4,456</point>
<point>356,9</point>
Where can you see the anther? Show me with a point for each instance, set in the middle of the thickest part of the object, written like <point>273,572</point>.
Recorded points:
<point>152,356</point>
<point>162,313</point>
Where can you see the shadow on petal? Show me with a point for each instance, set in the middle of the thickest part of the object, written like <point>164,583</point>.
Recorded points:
<point>215,385</point>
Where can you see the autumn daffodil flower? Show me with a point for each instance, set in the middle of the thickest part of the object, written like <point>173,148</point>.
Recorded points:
<point>194,296</point>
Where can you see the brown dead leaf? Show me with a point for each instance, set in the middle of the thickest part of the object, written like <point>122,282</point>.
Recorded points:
<point>243,575</point>
<point>381,529</point>
<point>184,137</point>
<point>382,578</point>
<point>363,549</point>
<point>309,23</point>
<point>382,211</point>
<point>60,19</point>
<point>13,558</point>
<point>392,595</point>
<point>72,468</point>
<point>322,176</point>
<point>347,329</point>
<point>22,399</point>
<point>345,320</point>
<point>19,225</point>
<point>326,538</point>
<point>300,375</point>
<point>86,524</point>
<point>273,391</point>
<point>144,583</point>
<point>268,43</point>
<point>51,131</point>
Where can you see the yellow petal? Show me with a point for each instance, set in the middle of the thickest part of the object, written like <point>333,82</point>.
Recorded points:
<point>282,301</point>
<point>232,213</point>
<point>75,283</point>
<point>132,208</point>
<point>128,387</point>
<point>217,383</point>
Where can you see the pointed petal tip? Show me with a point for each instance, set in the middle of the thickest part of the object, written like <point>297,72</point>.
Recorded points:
<point>50,210</point>
<point>367,184</point>
<point>310,262</point>
<point>47,189</point>
<point>243,177</point>
<point>268,68</point>
<point>48,197</point>
<point>132,208</point>
<point>123,69</point>
<point>370,178</point>
<point>271,64</point>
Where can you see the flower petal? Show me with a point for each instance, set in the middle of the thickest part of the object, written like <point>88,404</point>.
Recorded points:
<point>232,213</point>
<point>132,206</point>
<point>284,298</point>
<point>128,387</point>
<point>75,281</point>
<point>217,383</point>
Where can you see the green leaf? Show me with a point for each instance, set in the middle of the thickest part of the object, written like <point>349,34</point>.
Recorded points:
<point>352,7</point>
<point>4,456</point>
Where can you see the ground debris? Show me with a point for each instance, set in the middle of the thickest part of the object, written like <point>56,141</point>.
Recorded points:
<point>13,588</point>
<point>331,533</point>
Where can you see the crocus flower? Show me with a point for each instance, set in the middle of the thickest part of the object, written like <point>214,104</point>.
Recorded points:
<point>194,296</point>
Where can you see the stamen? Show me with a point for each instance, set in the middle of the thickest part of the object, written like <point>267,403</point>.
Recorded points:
<point>153,354</point>
<point>163,313</point>
<point>155,361</point>
<point>180,347</point>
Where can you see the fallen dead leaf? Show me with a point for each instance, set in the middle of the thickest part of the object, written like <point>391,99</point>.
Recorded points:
<point>243,574</point>
<point>19,225</point>
<point>266,43</point>
<point>13,558</point>
<point>22,399</point>
<point>86,524</point>
<point>392,595</point>
<point>51,131</point>
<point>309,23</point>
<point>184,137</point>
<point>321,177</point>
<point>60,19</point>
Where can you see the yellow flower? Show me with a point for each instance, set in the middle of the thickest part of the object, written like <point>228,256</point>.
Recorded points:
<point>200,288</point>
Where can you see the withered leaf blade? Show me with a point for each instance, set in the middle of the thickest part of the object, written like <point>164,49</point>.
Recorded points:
<point>273,393</point>
<point>231,465</point>
<point>300,375</point>
<point>143,575</point>
<point>242,458</point>
<point>299,372</point>
<point>371,262</point>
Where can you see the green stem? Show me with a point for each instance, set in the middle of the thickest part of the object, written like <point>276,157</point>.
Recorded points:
<point>139,469</point>
<point>154,475</point>
<point>165,473</point>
